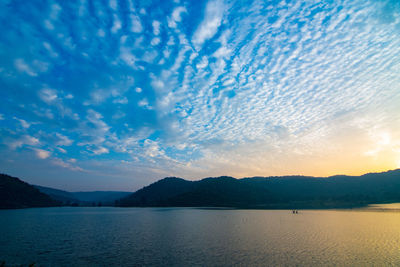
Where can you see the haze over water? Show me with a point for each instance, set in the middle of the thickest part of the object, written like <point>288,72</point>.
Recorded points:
<point>198,237</point>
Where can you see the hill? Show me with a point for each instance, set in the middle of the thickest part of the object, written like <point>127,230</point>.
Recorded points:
<point>15,193</point>
<point>60,195</point>
<point>270,192</point>
<point>89,198</point>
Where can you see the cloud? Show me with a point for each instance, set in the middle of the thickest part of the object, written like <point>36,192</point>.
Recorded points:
<point>203,63</point>
<point>123,101</point>
<point>99,96</point>
<point>22,66</point>
<point>48,25</point>
<point>23,123</point>
<point>152,149</point>
<point>113,4</point>
<point>66,165</point>
<point>99,150</point>
<point>209,27</point>
<point>136,25</point>
<point>101,33</point>
<point>155,41</point>
<point>23,140</point>
<point>98,126</point>
<point>62,150</point>
<point>176,16</point>
<point>48,95</point>
<point>63,140</point>
<point>50,50</point>
<point>144,103</point>
<point>117,24</point>
<point>55,11</point>
<point>222,52</point>
<point>156,27</point>
<point>127,56</point>
<point>42,154</point>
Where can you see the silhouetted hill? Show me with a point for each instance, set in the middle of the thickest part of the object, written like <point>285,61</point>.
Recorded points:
<point>89,198</point>
<point>270,192</point>
<point>59,195</point>
<point>15,193</point>
<point>158,193</point>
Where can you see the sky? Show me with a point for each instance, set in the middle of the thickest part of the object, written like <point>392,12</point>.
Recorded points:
<point>114,95</point>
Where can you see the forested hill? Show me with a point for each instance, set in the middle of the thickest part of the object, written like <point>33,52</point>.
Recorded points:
<point>89,198</point>
<point>15,193</point>
<point>270,192</point>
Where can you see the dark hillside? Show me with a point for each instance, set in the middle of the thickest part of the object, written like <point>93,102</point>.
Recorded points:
<point>15,193</point>
<point>270,192</point>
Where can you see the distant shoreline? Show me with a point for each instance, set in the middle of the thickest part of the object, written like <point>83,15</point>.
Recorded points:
<point>366,208</point>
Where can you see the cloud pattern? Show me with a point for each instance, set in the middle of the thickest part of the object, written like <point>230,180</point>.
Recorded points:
<point>119,89</point>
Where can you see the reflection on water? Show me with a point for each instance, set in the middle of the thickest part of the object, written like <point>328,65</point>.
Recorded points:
<point>385,207</point>
<point>179,236</point>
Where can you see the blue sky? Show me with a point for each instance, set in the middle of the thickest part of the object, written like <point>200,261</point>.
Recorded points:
<point>117,94</point>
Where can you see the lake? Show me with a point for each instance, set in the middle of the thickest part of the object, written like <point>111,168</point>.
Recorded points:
<point>104,236</point>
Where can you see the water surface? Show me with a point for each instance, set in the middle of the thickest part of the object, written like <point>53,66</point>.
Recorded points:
<point>198,237</point>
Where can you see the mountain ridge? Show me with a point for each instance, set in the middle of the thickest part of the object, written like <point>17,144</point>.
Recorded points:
<point>83,198</point>
<point>273,192</point>
<point>338,191</point>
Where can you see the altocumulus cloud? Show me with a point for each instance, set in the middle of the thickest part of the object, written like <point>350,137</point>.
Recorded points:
<point>118,89</point>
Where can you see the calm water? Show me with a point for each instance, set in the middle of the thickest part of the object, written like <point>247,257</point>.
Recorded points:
<point>187,237</point>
